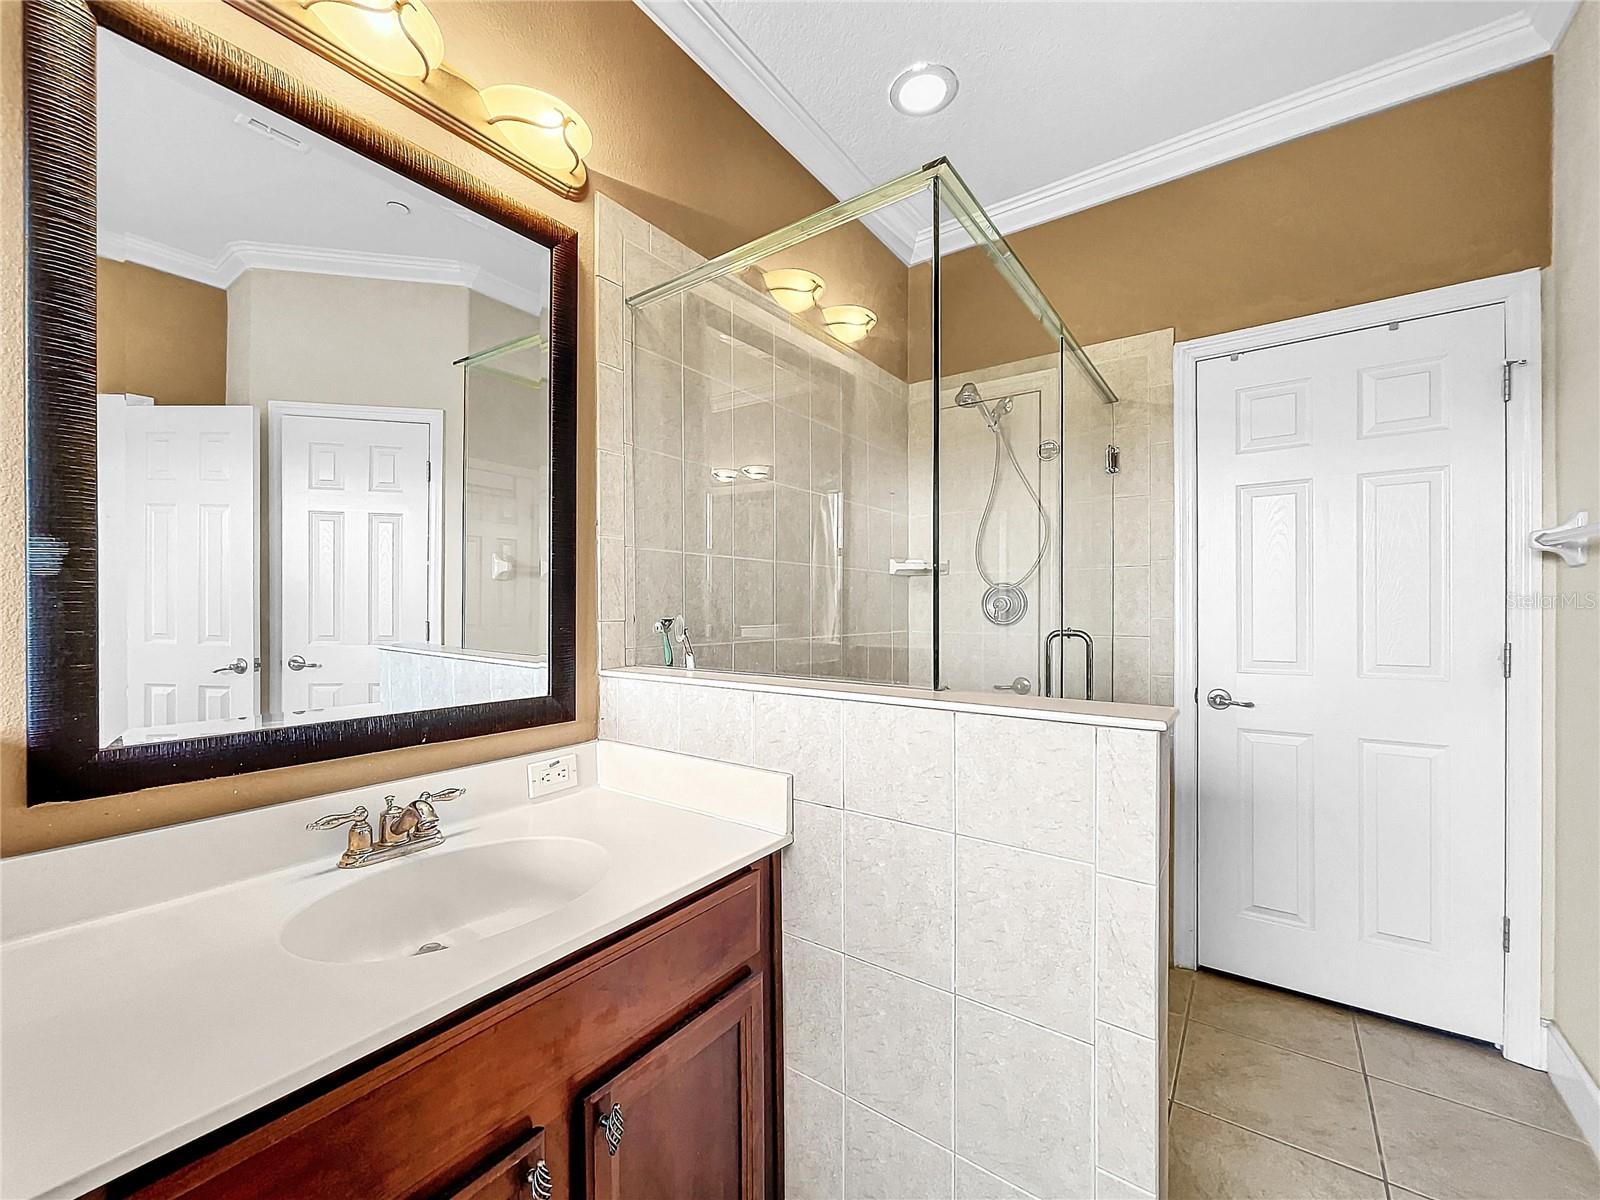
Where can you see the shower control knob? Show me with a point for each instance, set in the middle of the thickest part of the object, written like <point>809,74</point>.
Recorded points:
<point>1021,685</point>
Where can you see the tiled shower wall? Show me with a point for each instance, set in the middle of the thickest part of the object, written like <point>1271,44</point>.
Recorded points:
<point>974,936</point>
<point>1139,507</point>
<point>787,573</point>
<point>1118,529</point>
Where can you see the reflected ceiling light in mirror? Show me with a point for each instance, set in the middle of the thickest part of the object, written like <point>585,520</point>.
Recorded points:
<point>922,89</point>
<point>761,472</point>
<point>848,323</point>
<point>724,475</point>
<point>794,289</point>
<point>397,37</point>
<point>541,128</point>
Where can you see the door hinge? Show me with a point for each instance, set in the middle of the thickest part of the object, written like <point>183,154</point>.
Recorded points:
<point>1113,460</point>
<point>428,467</point>
<point>1505,377</point>
<point>427,629</point>
<point>1505,935</point>
<point>1505,660</point>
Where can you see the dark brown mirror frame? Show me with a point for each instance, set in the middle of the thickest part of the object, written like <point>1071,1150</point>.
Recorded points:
<point>65,759</point>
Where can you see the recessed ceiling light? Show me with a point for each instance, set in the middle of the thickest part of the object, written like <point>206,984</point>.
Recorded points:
<point>398,207</point>
<point>922,89</point>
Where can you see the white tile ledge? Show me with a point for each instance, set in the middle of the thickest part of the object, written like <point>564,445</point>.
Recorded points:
<point>1071,712</point>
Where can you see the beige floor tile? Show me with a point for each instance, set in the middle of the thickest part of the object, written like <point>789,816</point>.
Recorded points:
<point>1450,1152</point>
<point>1463,1071</point>
<point>1300,1100</point>
<point>1212,1160</point>
<point>1180,982</point>
<point>1268,1015</point>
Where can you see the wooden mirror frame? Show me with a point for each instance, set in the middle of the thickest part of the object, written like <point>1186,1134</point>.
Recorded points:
<point>65,760</point>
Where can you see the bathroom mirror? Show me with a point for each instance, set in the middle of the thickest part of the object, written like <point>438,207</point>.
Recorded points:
<point>301,425</point>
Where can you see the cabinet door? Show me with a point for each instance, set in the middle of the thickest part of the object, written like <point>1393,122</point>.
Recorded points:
<point>687,1119</point>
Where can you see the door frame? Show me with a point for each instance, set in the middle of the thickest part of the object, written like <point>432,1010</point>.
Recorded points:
<point>433,418</point>
<point>1520,293</point>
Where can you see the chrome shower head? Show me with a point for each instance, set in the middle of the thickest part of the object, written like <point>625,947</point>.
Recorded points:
<point>967,396</point>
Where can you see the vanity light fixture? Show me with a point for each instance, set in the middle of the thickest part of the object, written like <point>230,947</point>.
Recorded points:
<point>794,289</point>
<point>848,323</point>
<point>397,37</point>
<point>397,47</point>
<point>540,127</point>
<point>922,89</point>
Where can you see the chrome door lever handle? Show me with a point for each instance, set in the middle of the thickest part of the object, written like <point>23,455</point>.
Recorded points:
<point>238,666</point>
<point>1219,699</point>
<point>298,663</point>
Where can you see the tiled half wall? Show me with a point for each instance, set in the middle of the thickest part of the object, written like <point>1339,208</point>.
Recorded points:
<point>975,937</point>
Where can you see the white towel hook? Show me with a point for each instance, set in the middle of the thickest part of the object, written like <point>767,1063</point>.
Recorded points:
<point>1570,539</point>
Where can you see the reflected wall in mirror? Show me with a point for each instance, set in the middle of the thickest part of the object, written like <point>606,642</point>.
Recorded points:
<point>324,425</point>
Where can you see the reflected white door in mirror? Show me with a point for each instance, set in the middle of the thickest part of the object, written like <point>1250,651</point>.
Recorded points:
<point>178,626</point>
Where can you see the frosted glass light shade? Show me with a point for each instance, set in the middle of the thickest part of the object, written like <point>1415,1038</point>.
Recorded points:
<point>796,290</point>
<point>542,128</point>
<point>397,37</point>
<point>848,323</point>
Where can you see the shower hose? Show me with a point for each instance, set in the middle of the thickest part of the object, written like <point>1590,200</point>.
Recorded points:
<point>1002,443</point>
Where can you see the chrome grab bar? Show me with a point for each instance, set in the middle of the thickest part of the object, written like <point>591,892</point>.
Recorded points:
<point>1088,660</point>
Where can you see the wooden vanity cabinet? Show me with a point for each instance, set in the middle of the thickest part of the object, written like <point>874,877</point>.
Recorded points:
<point>665,1034</point>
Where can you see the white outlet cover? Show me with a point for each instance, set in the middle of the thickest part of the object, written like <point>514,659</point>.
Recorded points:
<point>552,775</point>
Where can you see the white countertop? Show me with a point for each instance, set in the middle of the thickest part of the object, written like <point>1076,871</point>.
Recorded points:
<point>132,1031</point>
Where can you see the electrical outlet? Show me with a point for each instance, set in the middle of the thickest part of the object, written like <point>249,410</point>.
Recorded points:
<point>552,775</point>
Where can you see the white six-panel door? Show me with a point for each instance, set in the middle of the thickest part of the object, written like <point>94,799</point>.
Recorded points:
<point>354,504</point>
<point>184,545</point>
<point>1352,587</point>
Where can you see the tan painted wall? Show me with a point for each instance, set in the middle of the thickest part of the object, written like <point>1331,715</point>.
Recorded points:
<point>160,335</point>
<point>1442,190</point>
<point>1572,399</point>
<point>669,143</point>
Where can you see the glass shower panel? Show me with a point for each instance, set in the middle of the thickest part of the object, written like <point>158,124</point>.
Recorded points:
<point>771,486</point>
<point>1084,659</point>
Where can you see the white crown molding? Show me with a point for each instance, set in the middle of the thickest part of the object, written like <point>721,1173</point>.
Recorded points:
<point>238,257</point>
<point>704,36</point>
<point>1493,47</point>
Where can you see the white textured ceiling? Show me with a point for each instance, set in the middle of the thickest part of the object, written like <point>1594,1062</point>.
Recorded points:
<point>1069,103</point>
<point>185,186</point>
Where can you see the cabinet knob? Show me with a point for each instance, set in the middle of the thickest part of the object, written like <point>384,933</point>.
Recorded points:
<point>540,1185</point>
<point>612,1124</point>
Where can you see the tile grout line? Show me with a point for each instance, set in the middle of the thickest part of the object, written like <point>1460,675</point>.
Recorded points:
<point>1487,1112</point>
<point>1269,1137</point>
<point>1372,1108</point>
<point>1275,1046</point>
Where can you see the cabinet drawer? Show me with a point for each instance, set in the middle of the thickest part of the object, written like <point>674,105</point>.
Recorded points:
<point>413,1125</point>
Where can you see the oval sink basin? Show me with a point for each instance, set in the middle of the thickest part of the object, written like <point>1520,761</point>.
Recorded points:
<point>442,898</point>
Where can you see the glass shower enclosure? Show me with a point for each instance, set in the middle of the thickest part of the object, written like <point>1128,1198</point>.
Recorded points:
<point>890,476</point>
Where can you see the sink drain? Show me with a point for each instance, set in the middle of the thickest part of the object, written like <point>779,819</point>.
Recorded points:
<point>429,948</point>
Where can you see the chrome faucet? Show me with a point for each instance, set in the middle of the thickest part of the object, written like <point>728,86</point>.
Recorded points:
<point>400,831</point>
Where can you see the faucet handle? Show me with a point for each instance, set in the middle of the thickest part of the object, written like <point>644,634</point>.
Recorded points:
<point>450,793</point>
<point>334,820</point>
<point>359,843</point>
